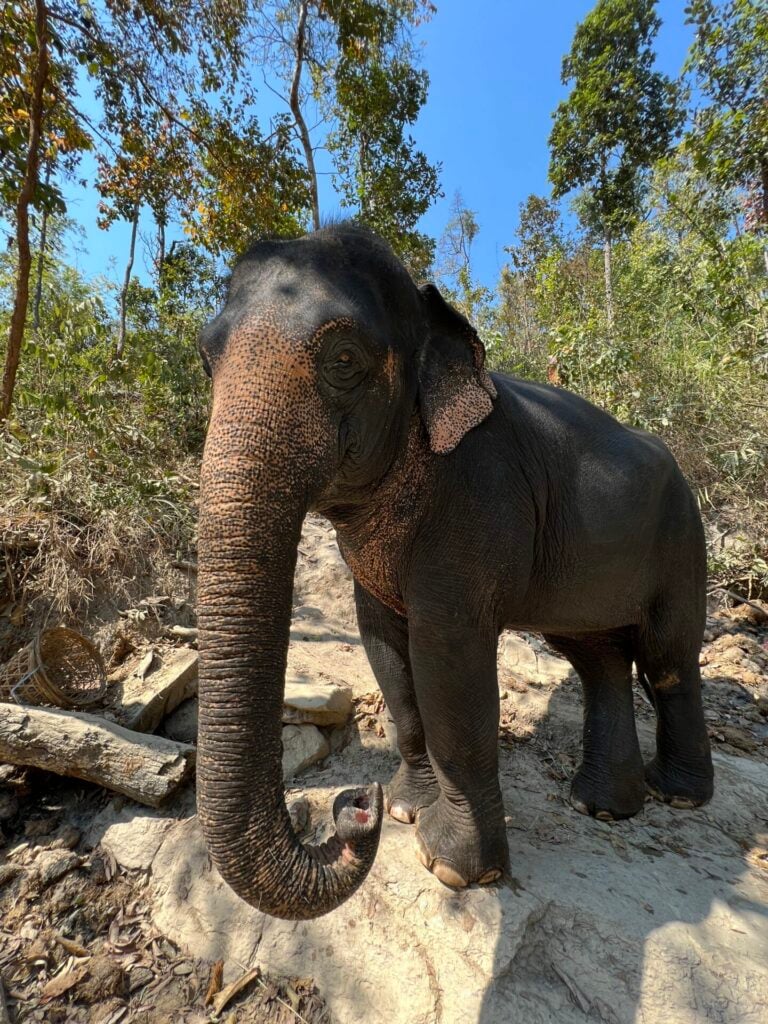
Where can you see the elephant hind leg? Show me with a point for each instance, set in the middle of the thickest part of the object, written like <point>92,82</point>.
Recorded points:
<point>609,784</point>
<point>668,665</point>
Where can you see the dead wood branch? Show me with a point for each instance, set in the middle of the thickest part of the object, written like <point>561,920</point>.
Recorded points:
<point>145,768</point>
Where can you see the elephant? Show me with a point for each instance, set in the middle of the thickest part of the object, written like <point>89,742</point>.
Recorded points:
<point>465,502</point>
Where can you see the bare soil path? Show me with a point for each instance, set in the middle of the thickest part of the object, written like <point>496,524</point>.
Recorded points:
<point>111,912</point>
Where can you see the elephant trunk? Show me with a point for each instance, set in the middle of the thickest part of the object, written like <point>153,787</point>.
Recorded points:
<point>252,506</point>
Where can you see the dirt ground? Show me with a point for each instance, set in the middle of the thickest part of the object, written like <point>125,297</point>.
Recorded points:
<point>111,913</point>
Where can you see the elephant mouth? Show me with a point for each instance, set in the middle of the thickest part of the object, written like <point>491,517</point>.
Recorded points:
<point>357,816</point>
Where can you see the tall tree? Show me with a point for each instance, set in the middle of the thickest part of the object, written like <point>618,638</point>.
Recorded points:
<point>350,66</point>
<point>378,169</point>
<point>141,60</point>
<point>620,117</point>
<point>245,185</point>
<point>36,72</point>
<point>729,135</point>
<point>454,262</point>
<point>538,237</point>
<point>300,45</point>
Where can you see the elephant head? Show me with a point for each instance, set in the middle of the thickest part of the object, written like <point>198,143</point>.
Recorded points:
<point>322,356</point>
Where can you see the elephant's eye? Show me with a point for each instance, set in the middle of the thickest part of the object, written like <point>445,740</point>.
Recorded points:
<point>344,369</point>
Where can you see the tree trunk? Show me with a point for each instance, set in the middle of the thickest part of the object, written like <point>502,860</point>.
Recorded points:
<point>607,258</point>
<point>301,124</point>
<point>145,768</point>
<point>40,261</point>
<point>119,348</point>
<point>26,197</point>
<point>161,252</point>
<point>764,210</point>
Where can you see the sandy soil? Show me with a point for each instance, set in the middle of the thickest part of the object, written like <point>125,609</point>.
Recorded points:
<point>110,912</point>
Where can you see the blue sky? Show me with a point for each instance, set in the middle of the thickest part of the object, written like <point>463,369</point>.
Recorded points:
<point>494,69</point>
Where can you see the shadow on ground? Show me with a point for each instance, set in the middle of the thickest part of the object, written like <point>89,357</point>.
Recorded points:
<point>661,918</point>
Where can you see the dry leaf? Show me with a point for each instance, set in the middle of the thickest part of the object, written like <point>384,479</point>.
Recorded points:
<point>221,1000</point>
<point>114,1015</point>
<point>71,947</point>
<point>63,983</point>
<point>146,664</point>
<point>214,985</point>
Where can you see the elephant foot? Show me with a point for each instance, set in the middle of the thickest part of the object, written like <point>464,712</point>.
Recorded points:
<point>676,787</point>
<point>458,851</point>
<point>412,788</point>
<point>608,797</point>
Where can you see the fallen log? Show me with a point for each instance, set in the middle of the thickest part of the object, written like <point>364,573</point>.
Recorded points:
<point>145,768</point>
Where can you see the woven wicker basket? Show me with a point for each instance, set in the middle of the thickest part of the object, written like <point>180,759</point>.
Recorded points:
<point>58,667</point>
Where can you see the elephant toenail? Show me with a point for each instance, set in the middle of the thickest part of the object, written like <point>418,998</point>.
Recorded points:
<point>580,806</point>
<point>490,876</point>
<point>423,856</point>
<point>401,812</point>
<point>681,803</point>
<point>604,816</point>
<point>448,876</point>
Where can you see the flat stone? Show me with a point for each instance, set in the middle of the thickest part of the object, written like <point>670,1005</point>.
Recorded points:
<point>303,745</point>
<point>305,703</point>
<point>142,704</point>
<point>133,834</point>
<point>317,703</point>
<point>519,658</point>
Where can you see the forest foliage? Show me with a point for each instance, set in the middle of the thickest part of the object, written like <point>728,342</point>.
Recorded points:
<point>639,279</point>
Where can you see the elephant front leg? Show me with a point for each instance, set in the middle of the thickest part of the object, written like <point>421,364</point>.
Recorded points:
<point>461,837</point>
<point>385,638</point>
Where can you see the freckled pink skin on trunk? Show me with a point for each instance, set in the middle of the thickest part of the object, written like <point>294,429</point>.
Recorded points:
<point>269,442</point>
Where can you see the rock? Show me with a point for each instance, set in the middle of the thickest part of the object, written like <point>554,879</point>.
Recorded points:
<point>67,838</point>
<point>181,724</point>
<point>519,658</point>
<point>303,745</point>
<point>736,737</point>
<point>9,805</point>
<point>8,872</point>
<point>315,702</point>
<point>138,977</point>
<point>51,865</point>
<point>309,702</point>
<point>132,834</point>
<point>105,978</point>
<point>299,813</point>
<point>142,704</point>
<point>656,919</point>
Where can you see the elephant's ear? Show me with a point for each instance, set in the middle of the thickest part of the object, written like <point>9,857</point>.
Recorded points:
<point>455,390</point>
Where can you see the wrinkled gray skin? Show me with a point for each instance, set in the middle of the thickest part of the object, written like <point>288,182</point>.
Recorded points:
<point>464,503</point>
